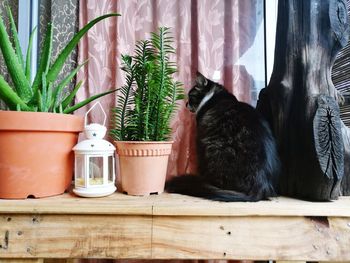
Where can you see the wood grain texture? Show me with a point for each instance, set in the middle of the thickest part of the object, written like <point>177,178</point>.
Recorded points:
<point>116,204</point>
<point>173,204</point>
<point>301,102</point>
<point>22,260</point>
<point>75,236</point>
<point>61,261</point>
<point>253,238</point>
<point>174,226</point>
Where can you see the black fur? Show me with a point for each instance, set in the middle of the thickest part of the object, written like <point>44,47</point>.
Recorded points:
<point>237,156</point>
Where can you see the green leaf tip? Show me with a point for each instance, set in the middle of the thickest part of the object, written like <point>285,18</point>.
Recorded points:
<point>58,64</point>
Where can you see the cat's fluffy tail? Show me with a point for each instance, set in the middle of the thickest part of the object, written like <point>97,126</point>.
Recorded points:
<point>195,186</point>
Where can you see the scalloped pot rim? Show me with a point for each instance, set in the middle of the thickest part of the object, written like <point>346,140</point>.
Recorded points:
<point>143,166</point>
<point>144,142</point>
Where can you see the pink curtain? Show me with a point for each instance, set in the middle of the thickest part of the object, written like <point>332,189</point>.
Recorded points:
<point>210,36</point>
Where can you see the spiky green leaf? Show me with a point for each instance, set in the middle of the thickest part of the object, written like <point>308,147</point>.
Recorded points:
<point>43,94</point>
<point>15,37</point>
<point>69,99</point>
<point>14,67</point>
<point>45,58</point>
<point>57,94</point>
<point>86,101</point>
<point>10,97</point>
<point>29,55</point>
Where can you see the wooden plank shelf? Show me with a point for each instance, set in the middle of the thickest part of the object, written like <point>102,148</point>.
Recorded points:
<point>174,226</point>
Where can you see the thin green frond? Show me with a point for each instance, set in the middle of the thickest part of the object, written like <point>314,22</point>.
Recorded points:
<point>158,41</point>
<point>143,62</point>
<point>125,100</point>
<point>149,98</point>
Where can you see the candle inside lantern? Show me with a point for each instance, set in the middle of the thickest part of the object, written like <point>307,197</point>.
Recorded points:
<point>94,162</point>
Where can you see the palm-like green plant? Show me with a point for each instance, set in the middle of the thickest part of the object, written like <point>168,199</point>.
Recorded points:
<point>149,98</point>
<point>44,94</point>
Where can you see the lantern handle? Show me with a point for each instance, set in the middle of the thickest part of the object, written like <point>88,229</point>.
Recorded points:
<point>104,114</point>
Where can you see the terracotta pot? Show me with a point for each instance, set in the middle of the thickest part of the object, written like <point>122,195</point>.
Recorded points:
<point>36,157</point>
<point>143,166</point>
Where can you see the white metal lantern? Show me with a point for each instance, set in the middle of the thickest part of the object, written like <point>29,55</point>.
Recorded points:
<point>94,161</point>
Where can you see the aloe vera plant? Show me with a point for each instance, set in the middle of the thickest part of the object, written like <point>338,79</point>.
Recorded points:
<point>43,94</point>
<point>149,97</point>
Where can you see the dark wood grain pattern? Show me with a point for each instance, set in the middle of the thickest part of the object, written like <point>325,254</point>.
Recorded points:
<point>301,102</point>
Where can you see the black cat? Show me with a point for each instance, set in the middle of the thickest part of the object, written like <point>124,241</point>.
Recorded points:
<point>236,152</point>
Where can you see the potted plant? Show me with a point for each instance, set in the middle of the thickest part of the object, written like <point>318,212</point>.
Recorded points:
<point>141,119</point>
<point>37,133</point>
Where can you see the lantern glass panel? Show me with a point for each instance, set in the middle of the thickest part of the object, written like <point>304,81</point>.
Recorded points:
<point>110,169</point>
<point>79,171</point>
<point>96,170</point>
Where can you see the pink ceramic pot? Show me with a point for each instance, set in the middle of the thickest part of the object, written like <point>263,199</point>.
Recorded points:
<point>143,166</point>
<point>36,157</point>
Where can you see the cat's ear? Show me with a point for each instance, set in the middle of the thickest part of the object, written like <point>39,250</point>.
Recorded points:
<point>201,80</point>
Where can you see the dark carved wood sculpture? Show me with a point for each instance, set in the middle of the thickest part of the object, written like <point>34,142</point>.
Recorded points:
<point>301,102</point>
